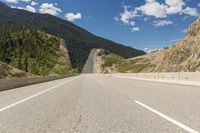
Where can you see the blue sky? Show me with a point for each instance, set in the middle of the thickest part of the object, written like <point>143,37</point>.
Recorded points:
<point>143,24</point>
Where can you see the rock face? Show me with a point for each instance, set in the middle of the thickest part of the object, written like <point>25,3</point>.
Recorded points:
<point>183,56</point>
<point>10,72</point>
<point>94,61</point>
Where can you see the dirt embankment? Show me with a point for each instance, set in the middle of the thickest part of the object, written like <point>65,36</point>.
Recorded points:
<point>7,71</point>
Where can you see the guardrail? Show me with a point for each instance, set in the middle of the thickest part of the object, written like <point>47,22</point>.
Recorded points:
<point>187,78</point>
<point>6,84</point>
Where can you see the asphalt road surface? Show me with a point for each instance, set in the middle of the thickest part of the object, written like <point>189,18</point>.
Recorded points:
<point>99,104</point>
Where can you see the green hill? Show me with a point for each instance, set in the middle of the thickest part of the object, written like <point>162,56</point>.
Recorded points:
<point>79,41</point>
<point>33,51</point>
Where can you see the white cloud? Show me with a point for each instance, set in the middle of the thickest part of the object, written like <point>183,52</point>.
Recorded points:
<point>127,15</point>
<point>72,17</point>
<point>16,1</point>
<point>30,8</point>
<point>157,10</point>
<point>27,8</point>
<point>162,23</point>
<point>174,6</point>
<point>191,11</point>
<point>49,8</point>
<point>153,8</point>
<point>33,3</point>
<point>135,29</point>
<point>116,18</point>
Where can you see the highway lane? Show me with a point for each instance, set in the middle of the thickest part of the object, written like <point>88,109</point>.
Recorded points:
<point>93,103</point>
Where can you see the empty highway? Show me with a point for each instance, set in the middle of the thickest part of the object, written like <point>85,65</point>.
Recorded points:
<point>100,104</point>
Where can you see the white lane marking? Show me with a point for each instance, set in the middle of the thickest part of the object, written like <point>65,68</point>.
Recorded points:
<point>40,93</point>
<point>186,128</point>
<point>101,82</point>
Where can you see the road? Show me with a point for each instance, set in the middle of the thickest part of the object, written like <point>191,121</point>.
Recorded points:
<point>99,104</point>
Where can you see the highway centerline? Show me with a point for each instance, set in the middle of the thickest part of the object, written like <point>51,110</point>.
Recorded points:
<point>35,95</point>
<point>186,128</point>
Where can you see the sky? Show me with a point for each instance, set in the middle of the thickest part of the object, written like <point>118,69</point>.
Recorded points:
<point>142,24</point>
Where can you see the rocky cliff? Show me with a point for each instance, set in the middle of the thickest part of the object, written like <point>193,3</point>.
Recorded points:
<point>182,56</point>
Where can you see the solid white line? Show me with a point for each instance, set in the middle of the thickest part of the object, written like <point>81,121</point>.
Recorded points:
<point>100,81</point>
<point>186,128</point>
<point>28,98</point>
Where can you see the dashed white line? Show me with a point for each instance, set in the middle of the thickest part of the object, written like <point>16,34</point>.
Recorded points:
<point>28,98</point>
<point>186,128</point>
<point>101,82</point>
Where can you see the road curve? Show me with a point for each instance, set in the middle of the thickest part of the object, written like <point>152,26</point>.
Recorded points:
<point>96,104</point>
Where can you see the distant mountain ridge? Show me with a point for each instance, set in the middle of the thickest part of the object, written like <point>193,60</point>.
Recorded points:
<point>79,41</point>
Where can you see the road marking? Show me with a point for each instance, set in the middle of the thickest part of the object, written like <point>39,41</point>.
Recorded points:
<point>40,93</point>
<point>101,82</point>
<point>186,128</point>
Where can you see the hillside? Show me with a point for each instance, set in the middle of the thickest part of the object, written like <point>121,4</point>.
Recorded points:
<point>102,61</point>
<point>79,41</point>
<point>34,52</point>
<point>10,72</point>
<point>182,56</point>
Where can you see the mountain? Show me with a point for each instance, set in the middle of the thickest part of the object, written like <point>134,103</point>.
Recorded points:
<point>182,56</point>
<point>34,52</point>
<point>79,41</point>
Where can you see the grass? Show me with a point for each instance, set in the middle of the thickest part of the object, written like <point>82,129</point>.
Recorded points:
<point>123,65</point>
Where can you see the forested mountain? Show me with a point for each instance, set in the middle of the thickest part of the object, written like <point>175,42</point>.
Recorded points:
<point>33,51</point>
<point>79,41</point>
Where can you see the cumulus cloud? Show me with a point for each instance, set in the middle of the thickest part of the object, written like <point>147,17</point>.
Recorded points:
<point>191,11</point>
<point>72,16</point>
<point>174,6</point>
<point>127,15</point>
<point>169,7</point>
<point>16,1</point>
<point>116,18</point>
<point>27,8</point>
<point>33,3</point>
<point>30,8</point>
<point>153,8</point>
<point>135,29</point>
<point>126,18</point>
<point>49,8</point>
<point>162,23</point>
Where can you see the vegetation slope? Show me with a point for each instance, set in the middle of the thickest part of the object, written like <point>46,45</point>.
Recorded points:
<point>33,51</point>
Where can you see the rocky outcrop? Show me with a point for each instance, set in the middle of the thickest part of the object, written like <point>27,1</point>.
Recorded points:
<point>183,56</point>
<point>94,61</point>
<point>10,72</point>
